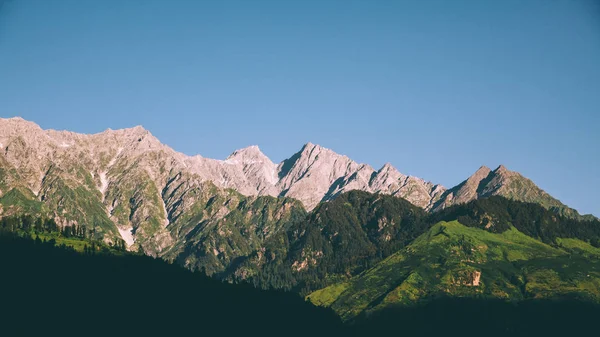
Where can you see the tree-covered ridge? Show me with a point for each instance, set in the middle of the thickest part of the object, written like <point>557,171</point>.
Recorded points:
<point>337,240</point>
<point>452,260</point>
<point>78,238</point>
<point>352,233</point>
<point>497,214</point>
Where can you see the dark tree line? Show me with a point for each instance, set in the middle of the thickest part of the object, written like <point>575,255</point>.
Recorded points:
<point>49,290</point>
<point>497,214</point>
<point>29,225</point>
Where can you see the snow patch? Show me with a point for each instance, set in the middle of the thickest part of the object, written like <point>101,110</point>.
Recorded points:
<point>127,236</point>
<point>274,178</point>
<point>166,213</point>
<point>103,175</point>
<point>103,184</point>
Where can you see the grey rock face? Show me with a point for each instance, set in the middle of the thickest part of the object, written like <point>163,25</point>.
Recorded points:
<point>318,174</point>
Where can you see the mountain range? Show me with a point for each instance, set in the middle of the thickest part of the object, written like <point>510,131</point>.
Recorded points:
<point>127,185</point>
<point>343,234</point>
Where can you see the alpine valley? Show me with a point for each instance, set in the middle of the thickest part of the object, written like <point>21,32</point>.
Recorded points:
<point>359,240</point>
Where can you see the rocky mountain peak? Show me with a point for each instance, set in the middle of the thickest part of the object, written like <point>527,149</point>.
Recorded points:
<point>501,169</point>
<point>483,170</point>
<point>312,151</point>
<point>479,175</point>
<point>466,191</point>
<point>386,167</point>
<point>503,182</point>
<point>309,147</point>
<point>16,119</point>
<point>136,131</point>
<point>137,128</point>
<point>386,175</point>
<point>249,154</point>
<point>17,124</point>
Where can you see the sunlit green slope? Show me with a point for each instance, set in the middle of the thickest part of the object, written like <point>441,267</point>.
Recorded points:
<point>452,260</point>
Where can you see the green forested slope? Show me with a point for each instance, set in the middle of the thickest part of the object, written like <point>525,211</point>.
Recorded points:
<point>361,253</point>
<point>452,260</point>
<point>335,241</point>
<point>352,233</point>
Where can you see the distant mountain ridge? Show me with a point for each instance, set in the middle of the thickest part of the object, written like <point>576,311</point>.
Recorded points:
<point>126,185</point>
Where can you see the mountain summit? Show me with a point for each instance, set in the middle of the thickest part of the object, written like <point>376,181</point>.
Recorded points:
<point>503,182</point>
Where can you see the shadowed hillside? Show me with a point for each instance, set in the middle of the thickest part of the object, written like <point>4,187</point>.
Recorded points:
<point>490,318</point>
<point>48,290</point>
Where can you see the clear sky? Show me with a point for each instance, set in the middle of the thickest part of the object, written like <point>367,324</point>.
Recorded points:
<point>437,88</point>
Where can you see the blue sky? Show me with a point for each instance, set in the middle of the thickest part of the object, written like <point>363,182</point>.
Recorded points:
<point>437,88</point>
